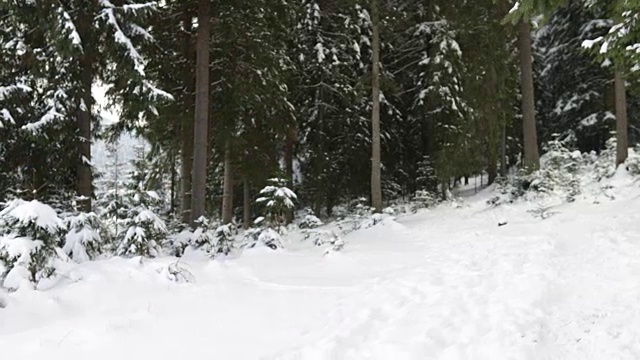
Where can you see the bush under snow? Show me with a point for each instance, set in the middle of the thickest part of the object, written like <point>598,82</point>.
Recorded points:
<point>30,234</point>
<point>83,241</point>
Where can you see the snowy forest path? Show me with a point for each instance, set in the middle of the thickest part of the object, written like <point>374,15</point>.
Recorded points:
<point>531,289</point>
<point>448,283</point>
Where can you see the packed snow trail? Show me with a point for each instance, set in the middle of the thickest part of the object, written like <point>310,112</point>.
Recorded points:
<point>444,284</point>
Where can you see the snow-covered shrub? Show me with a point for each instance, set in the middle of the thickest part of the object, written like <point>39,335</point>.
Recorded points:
<point>559,171</point>
<point>179,241</point>
<point>359,208</point>
<point>270,238</point>
<point>359,216</point>
<point>203,236</point>
<point>213,238</point>
<point>30,234</point>
<point>633,161</point>
<point>142,231</point>
<point>262,237</point>
<point>337,244</point>
<point>424,199</point>
<point>310,221</point>
<point>112,208</point>
<point>319,237</point>
<point>277,200</point>
<point>83,241</point>
<point>604,165</point>
<point>559,175</point>
<point>223,240</point>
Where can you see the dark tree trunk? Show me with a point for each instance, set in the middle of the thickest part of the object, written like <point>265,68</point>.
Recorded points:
<point>85,104</point>
<point>201,123</point>
<point>622,138</point>
<point>503,150</point>
<point>531,155</point>
<point>227,192</point>
<point>246,205</point>
<point>376,180</point>
<point>186,146</point>
<point>288,159</point>
<point>492,170</point>
<point>173,181</point>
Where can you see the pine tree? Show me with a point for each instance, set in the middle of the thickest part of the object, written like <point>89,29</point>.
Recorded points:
<point>141,231</point>
<point>573,88</point>
<point>30,232</point>
<point>53,47</point>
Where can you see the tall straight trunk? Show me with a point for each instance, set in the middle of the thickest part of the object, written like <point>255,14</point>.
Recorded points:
<point>492,169</point>
<point>531,155</point>
<point>493,128</point>
<point>173,181</point>
<point>320,161</point>
<point>227,192</point>
<point>201,123</point>
<point>186,146</point>
<point>84,170</point>
<point>622,138</point>
<point>246,204</point>
<point>503,149</point>
<point>288,159</point>
<point>376,181</point>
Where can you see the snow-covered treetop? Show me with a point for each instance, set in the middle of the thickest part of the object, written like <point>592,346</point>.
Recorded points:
<point>33,212</point>
<point>277,194</point>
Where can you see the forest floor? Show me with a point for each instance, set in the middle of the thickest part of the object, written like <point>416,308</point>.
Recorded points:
<point>446,283</point>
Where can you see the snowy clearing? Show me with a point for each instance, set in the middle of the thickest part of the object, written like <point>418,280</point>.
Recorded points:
<point>442,284</point>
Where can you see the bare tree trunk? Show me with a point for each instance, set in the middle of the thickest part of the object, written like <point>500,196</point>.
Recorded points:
<point>199,179</point>
<point>173,181</point>
<point>84,169</point>
<point>503,149</point>
<point>288,159</point>
<point>246,206</point>
<point>376,181</point>
<point>531,155</point>
<point>492,169</point>
<point>227,192</point>
<point>186,150</point>
<point>622,138</point>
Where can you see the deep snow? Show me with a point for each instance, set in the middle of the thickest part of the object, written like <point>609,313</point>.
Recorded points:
<point>447,283</point>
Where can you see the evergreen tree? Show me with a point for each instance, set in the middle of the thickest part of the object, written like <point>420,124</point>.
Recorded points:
<point>573,87</point>
<point>30,233</point>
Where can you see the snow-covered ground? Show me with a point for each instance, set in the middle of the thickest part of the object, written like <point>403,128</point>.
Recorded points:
<point>448,283</point>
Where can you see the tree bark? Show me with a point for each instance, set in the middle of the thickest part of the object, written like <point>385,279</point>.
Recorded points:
<point>199,179</point>
<point>376,181</point>
<point>288,159</point>
<point>186,146</point>
<point>227,192</point>
<point>622,138</point>
<point>531,155</point>
<point>173,181</point>
<point>492,169</point>
<point>246,206</point>
<point>84,168</point>
<point>503,149</point>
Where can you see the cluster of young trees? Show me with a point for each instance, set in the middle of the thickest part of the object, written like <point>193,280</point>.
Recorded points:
<point>343,99</point>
